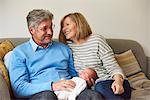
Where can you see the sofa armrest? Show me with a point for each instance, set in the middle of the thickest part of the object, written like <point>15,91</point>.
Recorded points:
<point>4,92</point>
<point>148,67</point>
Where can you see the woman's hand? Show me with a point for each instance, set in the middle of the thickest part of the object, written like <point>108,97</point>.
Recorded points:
<point>117,85</point>
<point>63,85</point>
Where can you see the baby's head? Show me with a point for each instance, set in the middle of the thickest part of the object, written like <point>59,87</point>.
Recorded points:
<point>91,73</point>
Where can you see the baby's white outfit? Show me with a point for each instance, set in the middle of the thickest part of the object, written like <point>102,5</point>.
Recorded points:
<point>71,95</point>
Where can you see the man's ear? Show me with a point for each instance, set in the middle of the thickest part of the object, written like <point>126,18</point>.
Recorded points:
<point>31,30</point>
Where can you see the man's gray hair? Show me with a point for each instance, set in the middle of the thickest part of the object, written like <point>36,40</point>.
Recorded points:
<point>36,16</point>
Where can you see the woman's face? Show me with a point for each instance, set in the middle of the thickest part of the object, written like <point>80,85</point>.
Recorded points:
<point>69,28</point>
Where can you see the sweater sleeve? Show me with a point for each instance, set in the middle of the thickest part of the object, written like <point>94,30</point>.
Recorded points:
<point>107,57</point>
<point>19,77</point>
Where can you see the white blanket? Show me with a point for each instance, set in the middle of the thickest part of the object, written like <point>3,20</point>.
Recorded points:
<point>71,95</point>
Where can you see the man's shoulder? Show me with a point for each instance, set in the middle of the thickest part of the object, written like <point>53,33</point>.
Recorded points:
<point>60,44</point>
<point>22,46</point>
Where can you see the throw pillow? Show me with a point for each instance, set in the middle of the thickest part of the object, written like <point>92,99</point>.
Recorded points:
<point>7,58</point>
<point>4,93</point>
<point>131,68</point>
<point>5,46</point>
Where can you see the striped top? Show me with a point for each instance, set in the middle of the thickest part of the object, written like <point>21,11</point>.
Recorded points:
<point>97,54</point>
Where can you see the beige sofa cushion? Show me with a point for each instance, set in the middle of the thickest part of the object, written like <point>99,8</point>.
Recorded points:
<point>4,93</point>
<point>132,70</point>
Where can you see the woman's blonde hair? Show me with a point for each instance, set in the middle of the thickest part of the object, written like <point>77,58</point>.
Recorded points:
<point>83,28</point>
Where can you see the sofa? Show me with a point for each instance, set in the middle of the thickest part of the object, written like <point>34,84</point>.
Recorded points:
<point>118,46</point>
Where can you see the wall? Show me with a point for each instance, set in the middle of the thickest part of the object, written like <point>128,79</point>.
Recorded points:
<point>126,19</point>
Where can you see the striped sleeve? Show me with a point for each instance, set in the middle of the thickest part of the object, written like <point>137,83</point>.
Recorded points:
<point>107,57</point>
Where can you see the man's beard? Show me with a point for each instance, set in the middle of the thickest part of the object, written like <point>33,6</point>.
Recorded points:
<point>45,36</point>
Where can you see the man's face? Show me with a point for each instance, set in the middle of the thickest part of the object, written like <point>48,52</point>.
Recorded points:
<point>42,35</point>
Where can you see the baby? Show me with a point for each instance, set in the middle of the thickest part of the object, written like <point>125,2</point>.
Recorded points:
<point>80,85</point>
<point>91,73</point>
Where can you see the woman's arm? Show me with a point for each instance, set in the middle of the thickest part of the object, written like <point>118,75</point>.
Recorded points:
<point>117,85</point>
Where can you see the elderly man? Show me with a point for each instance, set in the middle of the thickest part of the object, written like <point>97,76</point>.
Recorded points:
<point>38,65</point>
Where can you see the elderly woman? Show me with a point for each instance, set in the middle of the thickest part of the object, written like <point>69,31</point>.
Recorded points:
<point>91,50</point>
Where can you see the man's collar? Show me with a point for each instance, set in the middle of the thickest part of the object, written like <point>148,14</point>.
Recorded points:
<point>35,46</point>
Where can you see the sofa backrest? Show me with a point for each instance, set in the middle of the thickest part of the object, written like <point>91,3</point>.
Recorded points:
<point>15,41</point>
<point>118,46</point>
<point>4,95</point>
<point>122,45</point>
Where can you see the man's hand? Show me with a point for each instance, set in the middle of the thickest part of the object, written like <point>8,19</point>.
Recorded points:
<point>63,85</point>
<point>117,85</point>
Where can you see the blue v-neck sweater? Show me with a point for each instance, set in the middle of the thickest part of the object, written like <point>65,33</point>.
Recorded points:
<point>33,69</point>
